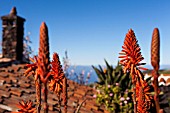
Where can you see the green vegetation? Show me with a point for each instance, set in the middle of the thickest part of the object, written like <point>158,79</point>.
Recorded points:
<point>114,89</point>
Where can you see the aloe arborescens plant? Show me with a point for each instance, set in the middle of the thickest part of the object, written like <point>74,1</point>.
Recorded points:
<point>131,58</point>
<point>58,83</point>
<point>44,57</point>
<point>42,70</point>
<point>155,58</point>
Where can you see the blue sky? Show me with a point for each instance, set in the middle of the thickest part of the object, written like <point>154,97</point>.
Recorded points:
<point>91,30</point>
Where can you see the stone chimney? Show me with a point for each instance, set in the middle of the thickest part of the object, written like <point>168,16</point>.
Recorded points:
<point>12,36</point>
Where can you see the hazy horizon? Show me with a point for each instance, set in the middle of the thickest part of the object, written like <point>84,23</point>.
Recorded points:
<point>146,66</point>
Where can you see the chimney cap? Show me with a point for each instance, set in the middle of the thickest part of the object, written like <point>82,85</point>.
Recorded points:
<point>13,11</point>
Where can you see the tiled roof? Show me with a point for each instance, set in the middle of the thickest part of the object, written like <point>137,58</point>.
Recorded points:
<point>15,87</point>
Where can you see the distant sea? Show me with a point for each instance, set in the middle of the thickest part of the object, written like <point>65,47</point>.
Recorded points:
<point>93,77</point>
<point>84,69</point>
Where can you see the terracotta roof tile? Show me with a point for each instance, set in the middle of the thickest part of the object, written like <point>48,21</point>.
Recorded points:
<point>15,87</point>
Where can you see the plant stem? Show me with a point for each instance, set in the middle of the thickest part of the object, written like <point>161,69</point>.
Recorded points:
<point>134,97</point>
<point>65,94</point>
<point>127,107</point>
<point>38,94</point>
<point>134,91</point>
<point>156,96</point>
<point>59,102</point>
<point>45,98</point>
<point>78,108</point>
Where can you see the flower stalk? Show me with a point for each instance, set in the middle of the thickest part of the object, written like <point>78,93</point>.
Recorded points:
<point>38,94</point>
<point>46,72</point>
<point>131,58</point>
<point>58,83</point>
<point>41,68</point>
<point>155,58</point>
<point>65,94</point>
<point>44,57</point>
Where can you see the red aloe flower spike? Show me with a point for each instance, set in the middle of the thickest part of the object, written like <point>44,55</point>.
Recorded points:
<point>146,90</point>
<point>131,55</point>
<point>44,64</point>
<point>56,83</point>
<point>143,96</point>
<point>41,68</point>
<point>44,46</point>
<point>141,106</point>
<point>130,59</point>
<point>155,58</point>
<point>57,74</point>
<point>155,49</point>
